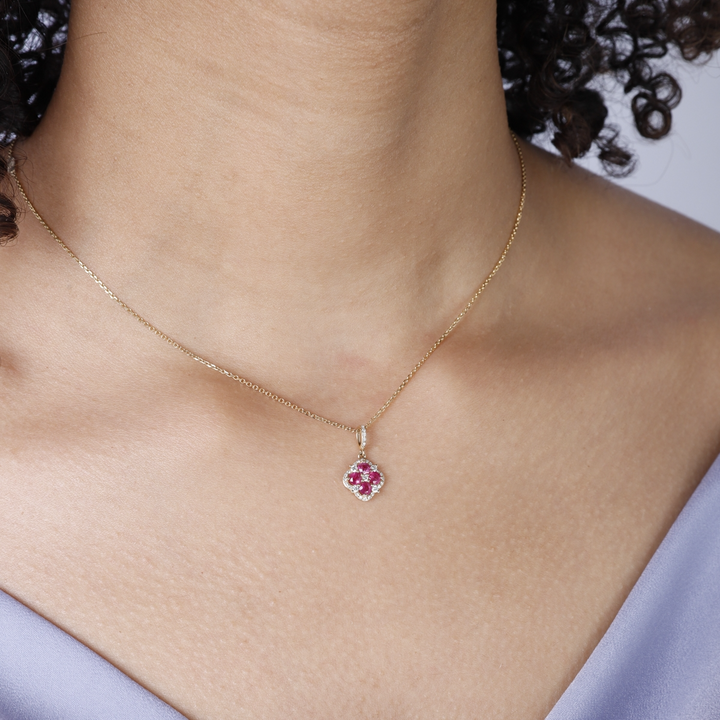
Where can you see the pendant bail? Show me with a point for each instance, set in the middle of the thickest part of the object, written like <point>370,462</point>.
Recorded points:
<point>361,437</point>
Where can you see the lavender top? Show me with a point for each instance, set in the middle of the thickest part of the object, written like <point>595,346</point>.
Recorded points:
<point>660,658</point>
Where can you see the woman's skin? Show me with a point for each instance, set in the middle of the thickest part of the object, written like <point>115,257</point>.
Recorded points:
<point>307,192</point>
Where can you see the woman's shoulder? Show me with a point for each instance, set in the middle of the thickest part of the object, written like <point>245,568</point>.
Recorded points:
<point>617,219</point>
<point>627,290</point>
<point>634,261</point>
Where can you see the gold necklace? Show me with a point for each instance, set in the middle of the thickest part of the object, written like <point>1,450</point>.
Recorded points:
<point>363,478</point>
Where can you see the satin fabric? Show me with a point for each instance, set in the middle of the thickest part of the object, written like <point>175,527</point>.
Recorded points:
<point>45,674</point>
<point>659,660</point>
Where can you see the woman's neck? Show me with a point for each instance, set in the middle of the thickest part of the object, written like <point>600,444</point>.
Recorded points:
<point>239,166</point>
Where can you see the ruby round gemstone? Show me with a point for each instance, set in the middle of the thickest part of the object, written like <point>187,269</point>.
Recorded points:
<point>363,479</point>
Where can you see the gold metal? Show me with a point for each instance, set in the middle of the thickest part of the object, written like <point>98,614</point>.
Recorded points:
<point>360,432</point>
<point>361,437</point>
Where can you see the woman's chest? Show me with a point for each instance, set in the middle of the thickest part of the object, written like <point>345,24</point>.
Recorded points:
<point>224,566</point>
<point>259,595</point>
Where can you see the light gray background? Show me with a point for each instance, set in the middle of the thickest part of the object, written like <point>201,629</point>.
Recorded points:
<point>682,170</point>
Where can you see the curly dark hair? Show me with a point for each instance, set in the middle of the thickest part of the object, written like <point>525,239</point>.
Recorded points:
<point>550,52</point>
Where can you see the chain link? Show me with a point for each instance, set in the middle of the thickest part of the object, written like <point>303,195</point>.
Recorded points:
<point>248,383</point>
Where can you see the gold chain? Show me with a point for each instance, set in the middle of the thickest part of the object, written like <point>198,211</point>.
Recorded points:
<point>249,383</point>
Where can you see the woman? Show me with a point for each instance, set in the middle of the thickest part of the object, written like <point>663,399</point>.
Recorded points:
<point>306,194</point>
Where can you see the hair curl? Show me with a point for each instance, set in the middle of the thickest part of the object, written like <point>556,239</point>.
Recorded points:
<point>32,40</point>
<point>550,53</point>
<point>552,50</point>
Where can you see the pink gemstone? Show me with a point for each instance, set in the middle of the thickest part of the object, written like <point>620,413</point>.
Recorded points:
<point>374,478</point>
<point>355,478</point>
<point>364,467</point>
<point>365,488</point>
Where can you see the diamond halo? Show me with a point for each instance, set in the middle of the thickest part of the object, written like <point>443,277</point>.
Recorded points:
<point>363,479</point>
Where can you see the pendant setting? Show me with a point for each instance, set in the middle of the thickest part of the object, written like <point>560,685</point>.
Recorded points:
<point>363,478</point>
